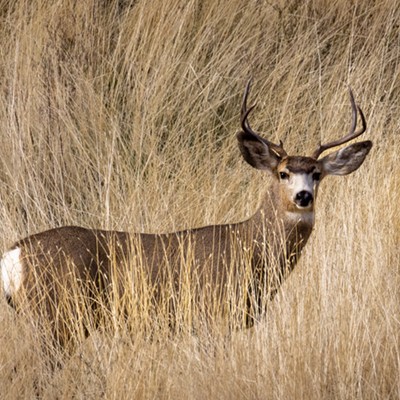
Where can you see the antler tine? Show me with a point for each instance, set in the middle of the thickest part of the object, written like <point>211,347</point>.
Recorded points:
<point>352,133</point>
<point>278,149</point>
<point>245,112</point>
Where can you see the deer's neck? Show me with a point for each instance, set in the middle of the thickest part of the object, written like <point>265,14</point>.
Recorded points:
<point>286,232</point>
<point>278,237</point>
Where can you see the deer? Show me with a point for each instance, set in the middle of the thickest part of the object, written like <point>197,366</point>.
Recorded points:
<point>37,268</point>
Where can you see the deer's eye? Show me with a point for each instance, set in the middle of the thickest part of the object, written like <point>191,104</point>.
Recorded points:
<point>316,176</point>
<point>283,175</point>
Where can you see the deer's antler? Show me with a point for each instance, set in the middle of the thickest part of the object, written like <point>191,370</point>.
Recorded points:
<point>351,135</point>
<point>276,148</point>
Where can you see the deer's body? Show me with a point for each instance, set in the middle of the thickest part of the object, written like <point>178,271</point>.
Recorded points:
<point>270,241</point>
<point>213,250</point>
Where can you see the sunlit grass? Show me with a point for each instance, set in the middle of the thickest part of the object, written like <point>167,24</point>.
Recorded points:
<point>122,115</point>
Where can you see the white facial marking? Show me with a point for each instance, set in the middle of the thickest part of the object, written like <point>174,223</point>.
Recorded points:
<point>300,182</point>
<point>11,271</point>
<point>301,217</point>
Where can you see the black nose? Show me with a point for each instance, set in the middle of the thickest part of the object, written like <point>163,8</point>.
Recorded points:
<point>304,198</point>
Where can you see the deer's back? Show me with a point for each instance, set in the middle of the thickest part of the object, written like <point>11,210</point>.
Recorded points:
<point>89,255</point>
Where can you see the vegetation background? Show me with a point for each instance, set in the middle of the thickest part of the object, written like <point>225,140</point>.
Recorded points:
<point>123,114</point>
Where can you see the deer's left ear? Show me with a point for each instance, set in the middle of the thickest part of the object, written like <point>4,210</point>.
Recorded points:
<point>346,160</point>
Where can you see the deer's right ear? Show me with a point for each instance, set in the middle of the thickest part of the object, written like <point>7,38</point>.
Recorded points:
<point>346,160</point>
<point>256,152</point>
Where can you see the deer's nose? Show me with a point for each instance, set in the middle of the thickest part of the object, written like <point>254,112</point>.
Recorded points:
<point>303,199</point>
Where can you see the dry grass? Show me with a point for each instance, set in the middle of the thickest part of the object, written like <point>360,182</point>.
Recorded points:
<point>122,114</point>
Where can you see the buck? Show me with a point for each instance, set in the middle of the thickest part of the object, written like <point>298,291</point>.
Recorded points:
<point>270,242</point>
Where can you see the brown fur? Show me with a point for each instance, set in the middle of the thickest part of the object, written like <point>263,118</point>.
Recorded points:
<point>93,258</point>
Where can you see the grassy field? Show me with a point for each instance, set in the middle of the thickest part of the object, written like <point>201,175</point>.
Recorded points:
<point>122,115</point>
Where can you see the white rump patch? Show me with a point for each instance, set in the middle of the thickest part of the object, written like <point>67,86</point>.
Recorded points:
<point>11,271</point>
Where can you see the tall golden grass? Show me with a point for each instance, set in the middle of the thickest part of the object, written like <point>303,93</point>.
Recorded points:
<point>122,115</point>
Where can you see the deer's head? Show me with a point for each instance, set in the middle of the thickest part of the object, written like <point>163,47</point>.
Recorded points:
<point>299,176</point>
